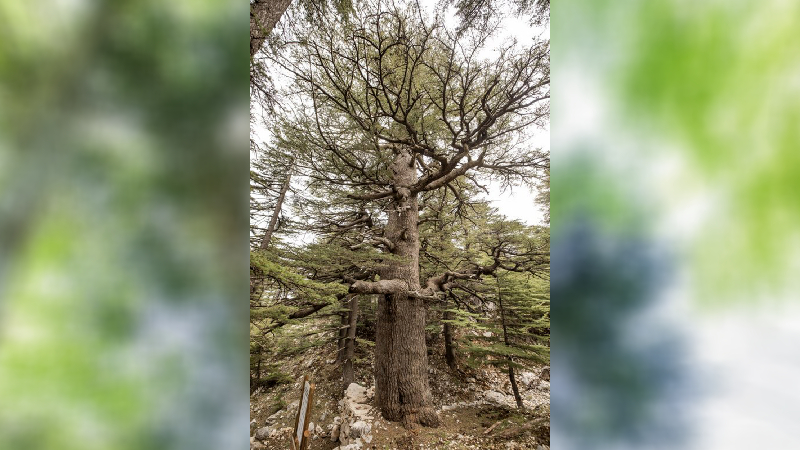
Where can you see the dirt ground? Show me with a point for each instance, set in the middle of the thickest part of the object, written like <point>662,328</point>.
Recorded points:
<point>465,418</point>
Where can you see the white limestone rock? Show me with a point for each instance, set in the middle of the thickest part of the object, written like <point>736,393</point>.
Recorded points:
<point>360,428</point>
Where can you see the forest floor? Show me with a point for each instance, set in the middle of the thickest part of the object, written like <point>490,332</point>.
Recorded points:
<point>470,419</point>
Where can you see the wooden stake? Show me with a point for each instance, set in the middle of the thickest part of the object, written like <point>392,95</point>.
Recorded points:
<point>301,443</point>
<point>306,437</point>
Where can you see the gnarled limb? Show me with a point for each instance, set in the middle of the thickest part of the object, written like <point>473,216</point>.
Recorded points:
<point>379,287</point>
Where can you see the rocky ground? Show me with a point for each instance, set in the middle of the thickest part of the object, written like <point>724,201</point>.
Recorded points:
<point>477,409</point>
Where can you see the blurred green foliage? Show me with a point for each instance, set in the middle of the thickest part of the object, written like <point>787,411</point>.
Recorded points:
<point>675,169</point>
<point>711,88</point>
<point>123,162</point>
<point>720,81</point>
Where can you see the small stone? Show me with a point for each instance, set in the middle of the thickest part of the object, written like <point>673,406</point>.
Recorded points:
<point>495,397</point>
<point>345,431</point>
<point>271,419</point>
<point>527,378</point>
<point>335,434</point>
<point>356,393</point>
<point>354,446</point>
<point>263,433</point>
<point>360,428</point>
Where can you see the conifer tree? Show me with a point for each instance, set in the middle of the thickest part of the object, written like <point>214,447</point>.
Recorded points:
<point>506,316</point>
<point>389,109</point>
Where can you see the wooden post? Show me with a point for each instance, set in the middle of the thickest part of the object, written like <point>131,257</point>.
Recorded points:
<point>295,444</point>
<point>306,435</point>
<point>301,436</point>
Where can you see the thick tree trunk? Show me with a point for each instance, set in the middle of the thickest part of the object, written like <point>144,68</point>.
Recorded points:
<point>350,345</point>
<point>449,349</point>
<point>401,359</point>
<point>514,386</point>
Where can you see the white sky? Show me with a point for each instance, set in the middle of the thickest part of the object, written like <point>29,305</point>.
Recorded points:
<point>517,203</point>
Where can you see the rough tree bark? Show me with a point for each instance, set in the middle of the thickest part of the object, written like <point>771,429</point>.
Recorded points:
<point>264,14</point>
<point>401,358</point>
<point>350,343</point>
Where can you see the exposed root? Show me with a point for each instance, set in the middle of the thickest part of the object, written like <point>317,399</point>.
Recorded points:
<point>429,418</point>
<point>426,417</point>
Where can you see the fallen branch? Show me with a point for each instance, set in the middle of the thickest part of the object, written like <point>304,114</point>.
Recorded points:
<point>491,428</point>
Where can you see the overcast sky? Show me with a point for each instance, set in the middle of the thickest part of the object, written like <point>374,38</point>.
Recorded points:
<point>519,202</point>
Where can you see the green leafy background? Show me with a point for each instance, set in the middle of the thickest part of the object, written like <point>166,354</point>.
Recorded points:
<point>123,210</point>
